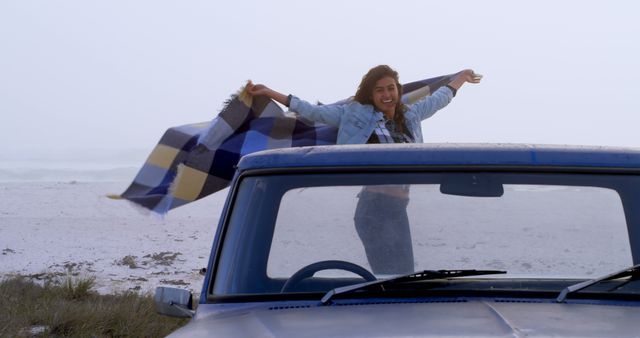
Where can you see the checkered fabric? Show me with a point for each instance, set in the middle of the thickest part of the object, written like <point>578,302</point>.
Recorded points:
<point>196,160</point>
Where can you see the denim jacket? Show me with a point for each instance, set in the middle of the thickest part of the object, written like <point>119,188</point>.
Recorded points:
<point>355,121</point>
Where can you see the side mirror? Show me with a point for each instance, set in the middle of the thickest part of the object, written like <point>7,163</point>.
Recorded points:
<point>174,302</point>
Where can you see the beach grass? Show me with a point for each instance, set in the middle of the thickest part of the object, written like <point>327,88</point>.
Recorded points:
<point>69,308</point>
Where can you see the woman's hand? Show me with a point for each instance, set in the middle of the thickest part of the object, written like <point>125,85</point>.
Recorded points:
<point>262,90</point>
<point>466,75</point>
<point>470,76</point>
<point>257,89</point>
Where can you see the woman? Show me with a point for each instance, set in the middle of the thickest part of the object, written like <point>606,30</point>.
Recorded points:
<point>377,115</point>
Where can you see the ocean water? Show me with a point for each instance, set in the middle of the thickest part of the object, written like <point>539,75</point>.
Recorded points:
<point>65,166</point>
<point>54,172</point>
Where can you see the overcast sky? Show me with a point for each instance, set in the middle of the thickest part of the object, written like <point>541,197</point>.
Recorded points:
<point>116,74</point>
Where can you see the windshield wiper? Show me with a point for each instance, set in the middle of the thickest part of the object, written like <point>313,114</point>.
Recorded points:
<point>412,277</point>
<point>628,272</point>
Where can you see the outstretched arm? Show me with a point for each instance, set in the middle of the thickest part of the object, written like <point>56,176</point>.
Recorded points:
<point>441,97</point>
<point>327,114</point>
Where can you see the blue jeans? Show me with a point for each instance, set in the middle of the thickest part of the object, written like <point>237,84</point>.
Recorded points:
<point>383,226</point>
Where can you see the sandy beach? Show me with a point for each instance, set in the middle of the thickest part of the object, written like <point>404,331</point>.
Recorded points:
<point>54,229</point>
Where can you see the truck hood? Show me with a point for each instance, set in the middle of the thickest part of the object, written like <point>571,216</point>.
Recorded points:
<point>426,319</point>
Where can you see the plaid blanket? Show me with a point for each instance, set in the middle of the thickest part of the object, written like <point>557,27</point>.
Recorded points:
<point>196,160</point>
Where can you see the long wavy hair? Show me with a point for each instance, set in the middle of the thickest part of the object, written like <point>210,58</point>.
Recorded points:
<point>364,94</point>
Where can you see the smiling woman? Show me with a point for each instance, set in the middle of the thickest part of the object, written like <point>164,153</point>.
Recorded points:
<point>376,114</point>
<point>377,100</point>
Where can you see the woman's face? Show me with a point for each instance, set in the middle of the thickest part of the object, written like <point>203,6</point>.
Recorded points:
<point>385,96</point>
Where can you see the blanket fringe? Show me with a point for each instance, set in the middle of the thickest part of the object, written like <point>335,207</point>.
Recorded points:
<point>244,96</point>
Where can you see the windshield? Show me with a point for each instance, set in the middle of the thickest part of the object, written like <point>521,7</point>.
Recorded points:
<point>550,225</point>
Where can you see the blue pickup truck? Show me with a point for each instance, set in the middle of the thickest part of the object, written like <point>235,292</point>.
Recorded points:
<point>424,240</point>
